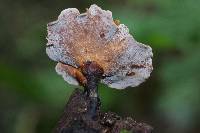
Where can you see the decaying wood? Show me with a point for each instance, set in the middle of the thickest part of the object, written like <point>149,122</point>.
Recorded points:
<point>75,119</point>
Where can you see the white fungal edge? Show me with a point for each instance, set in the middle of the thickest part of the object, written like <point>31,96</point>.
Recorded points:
<point>120,84</point>
<point>71,80</point>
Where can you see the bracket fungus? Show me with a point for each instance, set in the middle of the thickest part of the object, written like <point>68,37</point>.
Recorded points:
<point>77,38</point>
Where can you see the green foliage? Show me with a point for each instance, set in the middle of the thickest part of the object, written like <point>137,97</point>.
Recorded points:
<point>124,131</point>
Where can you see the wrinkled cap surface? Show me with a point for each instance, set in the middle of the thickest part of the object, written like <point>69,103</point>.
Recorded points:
<point>93,36</point>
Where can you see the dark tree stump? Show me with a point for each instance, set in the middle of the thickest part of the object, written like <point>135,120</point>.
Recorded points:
<point>75,119</point>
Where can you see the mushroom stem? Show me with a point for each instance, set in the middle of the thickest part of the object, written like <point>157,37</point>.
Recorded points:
<point>93,73</point>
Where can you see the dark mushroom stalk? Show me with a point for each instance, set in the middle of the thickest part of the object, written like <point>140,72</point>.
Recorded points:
<point>93,73</point>
<point>88,75</point>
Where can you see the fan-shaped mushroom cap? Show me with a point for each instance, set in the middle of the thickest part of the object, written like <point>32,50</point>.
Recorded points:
<point>93,36</point>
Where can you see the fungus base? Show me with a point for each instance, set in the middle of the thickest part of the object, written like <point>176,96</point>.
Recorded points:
<point>82,113</point>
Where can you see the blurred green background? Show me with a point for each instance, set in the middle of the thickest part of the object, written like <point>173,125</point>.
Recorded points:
<point>32,95</point>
